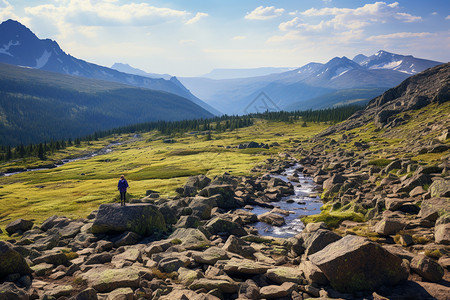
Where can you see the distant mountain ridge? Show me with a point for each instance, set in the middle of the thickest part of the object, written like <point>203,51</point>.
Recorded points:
<point>244,73</point>
<point>126,68</point>
<point>298,88</point>
<point>21,47</point>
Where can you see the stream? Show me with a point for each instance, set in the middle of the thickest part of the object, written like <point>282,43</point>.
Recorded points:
<point>302,203</point>
<point>104,150</point>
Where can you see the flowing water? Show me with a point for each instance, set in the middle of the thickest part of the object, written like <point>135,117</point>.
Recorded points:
<point>104,150</point>
<point>302,203</point>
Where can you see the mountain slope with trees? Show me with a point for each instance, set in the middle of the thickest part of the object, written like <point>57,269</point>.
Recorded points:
<point>38,106</point>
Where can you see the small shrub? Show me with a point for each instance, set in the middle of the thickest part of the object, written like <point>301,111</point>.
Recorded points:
<point>381,162</point>
<point>436,254</point>
<point>420,239</point>
<point>176,241</point>
<point>163,275</point>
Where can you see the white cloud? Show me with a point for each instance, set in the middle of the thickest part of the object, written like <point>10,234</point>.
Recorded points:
<point>434,13</point>
<point>7,11</point>
<point>105,12</point>
<point>239,38</point>
<point>264,13</point>
<point>349,18</point>
<point>289,25</point>
<point>399,35</point>
<point>187,42</point>
<point>448,17</point>
<point>197,17</point>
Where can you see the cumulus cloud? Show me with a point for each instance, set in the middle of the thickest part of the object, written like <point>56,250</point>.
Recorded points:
<point>264,13</point>
<point>7,11</point>
<point>356,18</point>
<point>289,25</point>
<point>399,35</point>
<point>106,12</point>
<point>448,17</point>
<point>197,18</point>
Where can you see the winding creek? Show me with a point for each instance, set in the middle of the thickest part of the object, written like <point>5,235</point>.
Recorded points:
<point>302,203</point>
<point>104,150</point>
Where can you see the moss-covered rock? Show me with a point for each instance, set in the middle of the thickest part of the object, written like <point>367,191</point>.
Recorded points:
<point>11,261</point>
<point>143,219</point>
<point>106,280</point>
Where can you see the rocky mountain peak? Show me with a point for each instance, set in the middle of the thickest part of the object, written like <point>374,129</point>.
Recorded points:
<point>430,86</point>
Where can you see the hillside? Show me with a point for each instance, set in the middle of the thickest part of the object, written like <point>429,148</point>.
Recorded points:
<point>21,47</point>
<point>38,106</point>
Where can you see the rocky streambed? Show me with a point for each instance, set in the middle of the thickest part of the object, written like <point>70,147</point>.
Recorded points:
<point>203,244</point>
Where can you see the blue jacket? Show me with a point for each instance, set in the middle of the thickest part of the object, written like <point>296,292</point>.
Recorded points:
<point>123,185</point>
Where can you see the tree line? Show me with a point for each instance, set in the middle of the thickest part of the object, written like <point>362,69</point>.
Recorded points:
<point>216,124</point>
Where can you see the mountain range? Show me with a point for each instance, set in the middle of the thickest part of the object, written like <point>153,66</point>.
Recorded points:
<point>20,46</point>
<point>305,87</point>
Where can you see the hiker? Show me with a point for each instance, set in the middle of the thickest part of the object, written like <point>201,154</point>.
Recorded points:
<point>122,186</point>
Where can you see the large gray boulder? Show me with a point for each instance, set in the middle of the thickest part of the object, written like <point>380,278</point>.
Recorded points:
<point>440,188</point>
<point>219,225</point>
<point>389,226</point>
<point>442,234</point>
<point>143,219</point>
<point>356,264</point>
<point>319,239</point>
<point>190,238</point>
<point>227,200</point>
<point>427,268</point>
<point>11,261</point>
<point>19,225</point>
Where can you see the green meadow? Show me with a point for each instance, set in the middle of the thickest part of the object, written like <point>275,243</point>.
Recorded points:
<point>77,188</point>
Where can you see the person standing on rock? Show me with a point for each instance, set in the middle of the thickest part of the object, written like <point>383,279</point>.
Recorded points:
<point>122,186</point>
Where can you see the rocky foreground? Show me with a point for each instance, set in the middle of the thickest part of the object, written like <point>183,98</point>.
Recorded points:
<point>201,245</point>
<point>384,232</point>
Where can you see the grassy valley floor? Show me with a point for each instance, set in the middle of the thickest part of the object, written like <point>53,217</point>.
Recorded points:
<point>77,188</point>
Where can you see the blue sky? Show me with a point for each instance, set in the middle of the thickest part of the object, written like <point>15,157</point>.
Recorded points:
<point>186,38</point>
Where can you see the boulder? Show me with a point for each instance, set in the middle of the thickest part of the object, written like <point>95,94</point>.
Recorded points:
<point>188,222</point>
<point>409,184</point>
<point>249,290</point>
<point>219,225</point>
<point>188,276</point>
<point>335,179</point>
<point>432,208</point>
<point>190,238</point>
<point>124,293</point>
<point>222,285</point>
<point>202,206</point>
<point>277,291</point>
<point>54,257</point>
<point>312,273</point>
<point>394,204</point>
<point>356,264</point>
<point>442,234</point>
<point>246,216</point>
<point>11,261</point>
<point>143,219</point>
<point>210,256</point>
<point>227,200</point>
<point>389,226</point>
<point>272,219</point>
<point>106,280</point>
<point>318,240</point>
<point>239,246</point>
<point>19,225</point>
<point>97,259</point>
<point>127,238</point>
<point>242,266</point>
<point>54,221</point>
<point>440,188</point>
<point>285,274</point>
<point>9,291</point>
<point>427,268</point>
